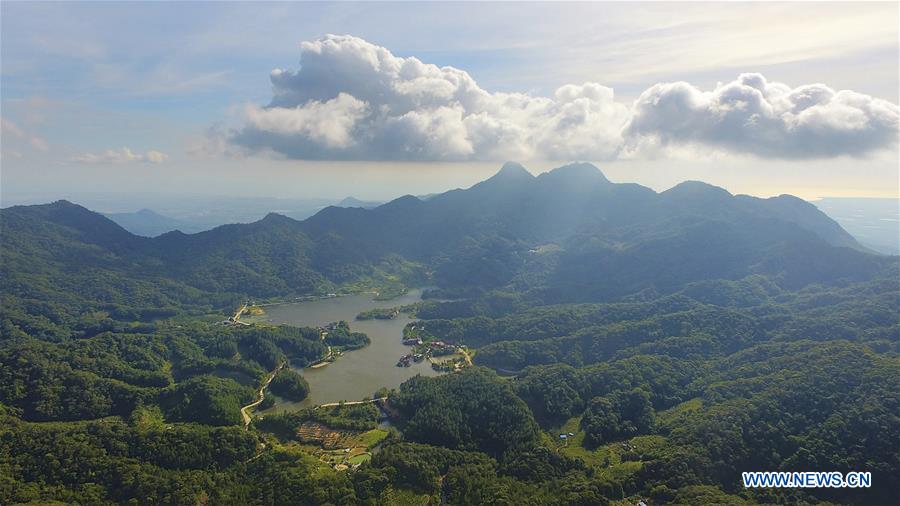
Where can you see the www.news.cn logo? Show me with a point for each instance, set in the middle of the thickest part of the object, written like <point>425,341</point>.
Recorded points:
<point>783,479</point>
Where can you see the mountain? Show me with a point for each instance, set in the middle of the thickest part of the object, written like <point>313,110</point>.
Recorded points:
<point>76,224</point>
<point>675,339</point>
<point>147,223</point>
<point>569,200</point>
<point>355,202</point>
<point>566,235</point>
<point>604,231</point>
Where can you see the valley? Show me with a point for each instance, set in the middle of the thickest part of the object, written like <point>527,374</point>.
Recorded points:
<point>449,253</point>
<point>356,374</point>
<point>674,339</point>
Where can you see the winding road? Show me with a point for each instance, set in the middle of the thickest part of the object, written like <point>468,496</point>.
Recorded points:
<point>468,357</point>
<point>239,312</point>
<point>260,396</point>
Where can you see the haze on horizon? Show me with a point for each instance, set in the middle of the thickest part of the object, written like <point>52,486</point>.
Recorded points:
<point>309,253</point>
<point>378,100</point>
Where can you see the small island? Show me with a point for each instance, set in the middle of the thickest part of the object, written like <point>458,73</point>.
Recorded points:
<point>379,314</point>
<point>339,336</point>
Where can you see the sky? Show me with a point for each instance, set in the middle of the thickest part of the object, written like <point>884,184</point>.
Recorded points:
<point>377,100</point>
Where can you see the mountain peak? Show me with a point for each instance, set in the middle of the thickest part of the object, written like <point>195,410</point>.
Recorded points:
<point>696,189</point>
<point>66,208</point>
<point>406,202</point>
<point>579,170</point>
<point>61,204</point>
<point>273,218</point>
<point>511,174</point>
<point>355,202</point>
<point>350,202</point>
<point>513,170</point>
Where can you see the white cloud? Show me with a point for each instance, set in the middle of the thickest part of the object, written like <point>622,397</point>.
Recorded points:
<point>751,115</point>
<point>121,156</point>
<point>153,156</point>
<point>353,100</point>
<point>11,131</point>
<point>329,123</point>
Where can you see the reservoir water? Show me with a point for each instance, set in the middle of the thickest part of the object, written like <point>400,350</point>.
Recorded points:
<point>359,373</point>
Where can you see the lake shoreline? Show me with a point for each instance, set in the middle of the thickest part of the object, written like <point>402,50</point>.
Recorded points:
<point>360,372</point>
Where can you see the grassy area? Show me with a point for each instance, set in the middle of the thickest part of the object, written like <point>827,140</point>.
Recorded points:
<point>359,459</point>
<point>390,291</point>
<point>390,279</point>
<point>447,358</point>
<point>307,453</point>
<point>148,417</point>
<point>254,314</point>
<point>673,415</point>
<point>372,438</point>
<point>615,461</point>
<point>353,448</point>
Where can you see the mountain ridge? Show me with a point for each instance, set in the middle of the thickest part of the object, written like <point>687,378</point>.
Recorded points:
<point>511,171</point>
<point>480,237</point>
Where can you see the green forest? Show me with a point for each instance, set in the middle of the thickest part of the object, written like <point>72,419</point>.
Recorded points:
<point>650,350</point>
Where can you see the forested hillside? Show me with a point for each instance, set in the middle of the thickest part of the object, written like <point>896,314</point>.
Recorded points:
<point>675,339</point>
<point>566,235</point>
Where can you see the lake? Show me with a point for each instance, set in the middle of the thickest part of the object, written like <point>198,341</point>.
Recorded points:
<point>359,373</point>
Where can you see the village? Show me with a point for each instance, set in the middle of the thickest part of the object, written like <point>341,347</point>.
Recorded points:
<point>455,357</point>
<point>340,449</point>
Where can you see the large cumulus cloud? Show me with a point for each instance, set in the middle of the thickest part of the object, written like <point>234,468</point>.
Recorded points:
<point>354,100</point>
<point>752,115</point>
<point>351,99</point>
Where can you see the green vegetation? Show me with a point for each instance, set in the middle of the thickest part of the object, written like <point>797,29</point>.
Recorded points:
<point>617,416</point>
<point>340,336</point>
<point>206,399</point>
<point>358,417</point>
<point>359,459</point>
<point>196,372</point>
<point>680,338</point>
<point>471,410</point>
<point>289,384</point>
<point>391,291</point>
<point>379,314</point>
<point>373,437</point>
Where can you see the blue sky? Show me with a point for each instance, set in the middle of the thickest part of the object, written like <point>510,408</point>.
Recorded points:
<point>127,97</point>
